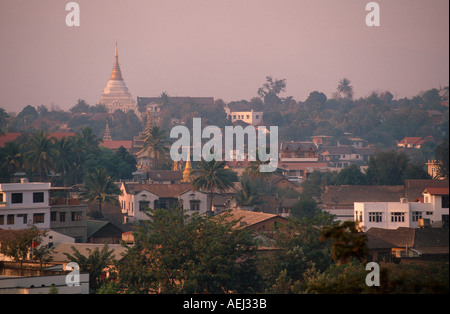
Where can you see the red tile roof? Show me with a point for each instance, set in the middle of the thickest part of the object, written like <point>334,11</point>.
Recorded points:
<point>437,191</point>
<point>116,144</point>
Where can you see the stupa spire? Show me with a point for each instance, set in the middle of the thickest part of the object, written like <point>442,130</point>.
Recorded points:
<point>116,74</point>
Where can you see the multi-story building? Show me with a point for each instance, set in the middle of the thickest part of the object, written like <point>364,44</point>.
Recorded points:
<point>391,215</point>
<point>137,198</point>
<point>26,203</point>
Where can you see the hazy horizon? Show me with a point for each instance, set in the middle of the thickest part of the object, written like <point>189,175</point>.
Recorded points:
<point>217,48</point>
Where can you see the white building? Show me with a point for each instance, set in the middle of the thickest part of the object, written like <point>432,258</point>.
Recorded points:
<point>24,203</point>
<point>251,117</point>
<point>136,198</point>
<point>392,215</point>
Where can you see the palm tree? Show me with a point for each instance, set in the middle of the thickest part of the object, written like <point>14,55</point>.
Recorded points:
<point>156,144</point>
<point>3,120</point>
<point>211,176</point>
<point>344,88</point>
<point>41,153</point>
<point>12,158</point>
<point>100,187</point>
<point>65,155</point>
<point>79,153</point>
<point>91,140</point>
<point>254,171</point>
<point>248,194</point>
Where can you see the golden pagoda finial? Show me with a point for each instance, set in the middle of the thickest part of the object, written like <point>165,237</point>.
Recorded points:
<point>116,74</point>
<point>187,170</point>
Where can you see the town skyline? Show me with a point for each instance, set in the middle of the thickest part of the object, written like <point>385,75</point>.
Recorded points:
<point>217,49</point>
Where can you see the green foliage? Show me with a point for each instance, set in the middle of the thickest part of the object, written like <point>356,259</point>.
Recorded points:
<point>212,176</point>
<point>95,263</point>
<point>442,152</point>
<point>174,254</point>
<point>392,168</point>
<point>351,175</point>
<point>99,187</point>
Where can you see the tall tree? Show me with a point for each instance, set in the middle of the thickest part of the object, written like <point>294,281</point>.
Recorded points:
<point>3,121</point>
<point>12,158</point>
<point>100,187</point>
<point>95,263</point>
<point>348,242</point>
<point>212,176</point>
<point>156,145</point>
<point>40,155</point>
<point>65,159</point>
<point>443,160</point>
<point>344,88</point>
<point>247,195</point>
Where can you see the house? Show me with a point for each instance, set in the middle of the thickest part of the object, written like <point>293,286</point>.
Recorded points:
<point>344,156</point>
<point>390,215</point>
<point>414,187</point>
<point>243,112</point>
<point>408,243</point>
<point>339,200</point>
<point>414,142</point>
<point>297,171</point>
<point>100,231</point>
<point>298,151</point>
<point>136,198</point>
<point>33,279</point>
<point>256,221</point>
<point>164,176</point>
<point>322,140</point>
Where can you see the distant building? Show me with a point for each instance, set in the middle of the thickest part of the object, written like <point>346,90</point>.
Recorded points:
<point>25,203</point>
<point>116,95</point>
<point>392,215</point>
<point>245,113</point>
<point>414,142</point>
<point>136,198</point>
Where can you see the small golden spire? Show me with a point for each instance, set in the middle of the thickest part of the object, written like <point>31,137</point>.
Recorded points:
<point>116,74</point>
<point>187,170</point>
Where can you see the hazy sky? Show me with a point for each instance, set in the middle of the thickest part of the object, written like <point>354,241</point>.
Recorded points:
<point>218,48</point>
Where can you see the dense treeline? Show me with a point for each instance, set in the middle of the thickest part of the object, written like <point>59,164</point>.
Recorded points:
<point>65,161</point>
<point>203,254</point>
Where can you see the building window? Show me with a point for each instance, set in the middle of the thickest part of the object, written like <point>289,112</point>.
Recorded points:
<point>2,219</point>
<point>195,205</point>
<point>358,216</point>
<point>416,216</point>
<point>62,217</point>
<point>1,198</point>
<point>397,217</point>
<point>428,213</point>
<point>375,217</point>
<point>143,205</point>
<point>248,117</point>
<point>10,219</point>
<point>38,218</point>
<point>16,198</point>
<point>53,216</point>
<point>38,197</point>
<point>445,201</point>
<point>77,216</point>
<point>24,216</point>
<point>257,116</point>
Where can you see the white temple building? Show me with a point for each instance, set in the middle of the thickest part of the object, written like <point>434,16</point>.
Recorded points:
<point>116,94</point>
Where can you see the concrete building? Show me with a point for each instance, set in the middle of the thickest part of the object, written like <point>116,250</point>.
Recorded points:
<point>26,203</point>
<point>136,198</point>
<point>392,215</point>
